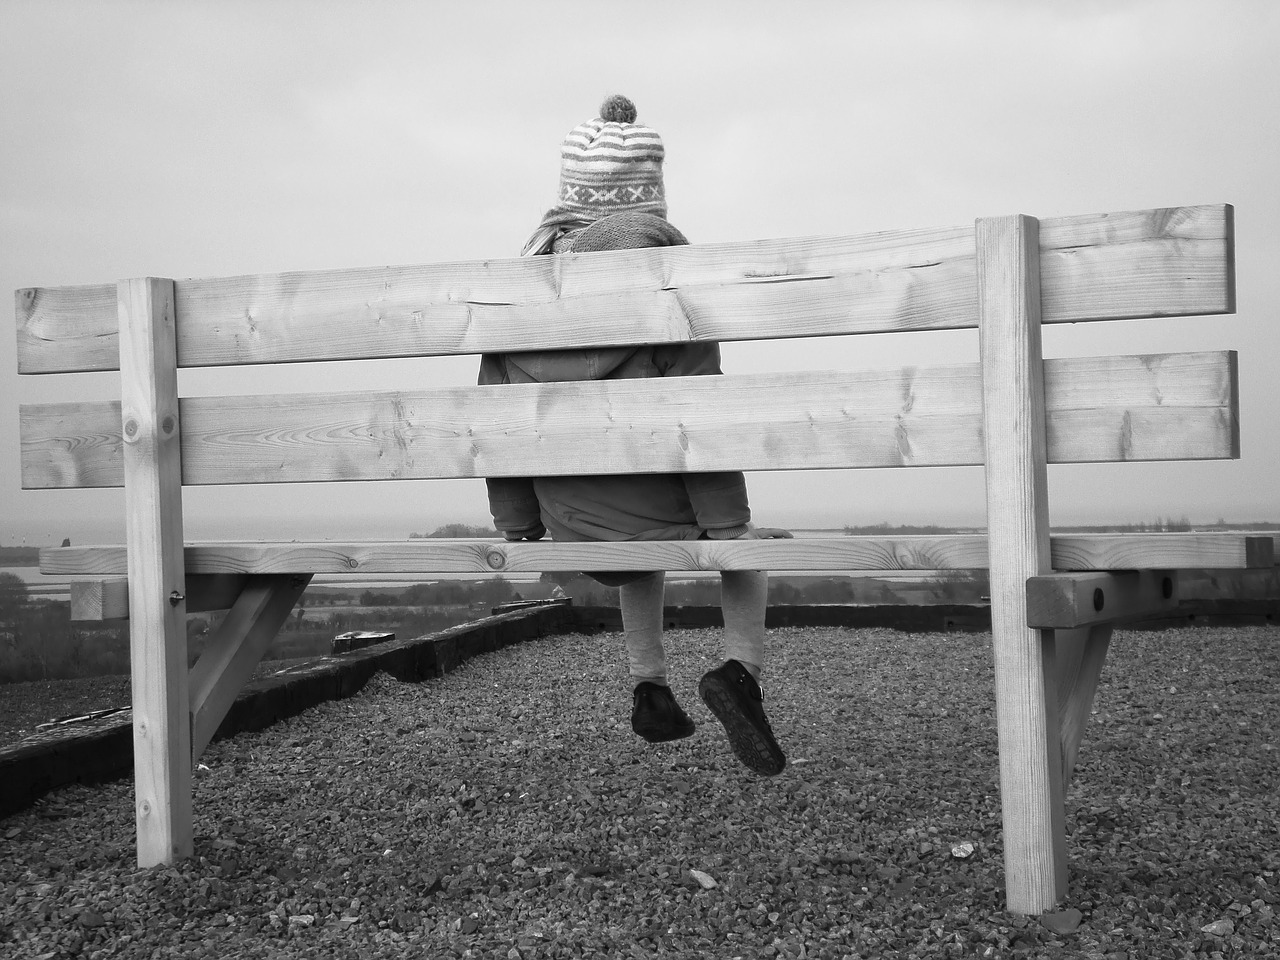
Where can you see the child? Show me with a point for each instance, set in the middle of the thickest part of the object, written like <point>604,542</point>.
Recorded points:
<point>612,198</point>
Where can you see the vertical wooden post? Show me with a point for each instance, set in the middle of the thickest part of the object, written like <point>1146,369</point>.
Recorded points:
<point>1008,264</point>
<point>157,587</point>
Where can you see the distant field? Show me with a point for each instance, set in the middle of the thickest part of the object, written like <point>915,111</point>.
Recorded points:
<point>19,556</point>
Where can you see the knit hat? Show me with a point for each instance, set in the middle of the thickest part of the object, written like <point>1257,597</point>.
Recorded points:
<point>612,164</point>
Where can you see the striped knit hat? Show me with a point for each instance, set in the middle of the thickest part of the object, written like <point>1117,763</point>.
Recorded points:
<point>612,164</point>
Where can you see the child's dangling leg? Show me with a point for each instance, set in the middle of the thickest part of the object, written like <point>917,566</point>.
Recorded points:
<point>641,602</point>
<point>743,599</point>
<point>732,691</point>
<point>655,715</point>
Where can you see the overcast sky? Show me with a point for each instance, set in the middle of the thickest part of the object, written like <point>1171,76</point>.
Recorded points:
<point>220,138</point>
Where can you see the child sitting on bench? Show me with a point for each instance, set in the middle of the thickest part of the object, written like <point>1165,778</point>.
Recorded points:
<point>612,198</point>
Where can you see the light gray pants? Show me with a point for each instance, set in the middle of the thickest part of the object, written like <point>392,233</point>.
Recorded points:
<point>743,598</point>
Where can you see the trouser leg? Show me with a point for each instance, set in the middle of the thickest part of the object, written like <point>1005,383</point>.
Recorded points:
<point>641,602</point>
<point>743,599</point>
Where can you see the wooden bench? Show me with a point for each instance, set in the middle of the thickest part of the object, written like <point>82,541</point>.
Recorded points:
<point>1053,597</point>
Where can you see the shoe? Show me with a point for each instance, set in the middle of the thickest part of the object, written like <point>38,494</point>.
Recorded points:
<point>656,716</point>
<point>734,697</point>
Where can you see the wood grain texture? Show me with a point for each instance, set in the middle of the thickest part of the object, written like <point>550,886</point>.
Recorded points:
<point>99,600</point>
<point>1160,551</point>
<point>1171,407</point>
<point>233,652</point>
<point>1031,789</point>
<point>1080,656</point>
<point>153,535</point>
<point>67,328</point>
<point>1067,601</point>
<point>1145,551</point>
<point>1128,260</point>
<point>1149,263</point>
<point>66,445</point>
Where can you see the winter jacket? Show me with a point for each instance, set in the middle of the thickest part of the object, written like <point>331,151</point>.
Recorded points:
<point>615,507</point>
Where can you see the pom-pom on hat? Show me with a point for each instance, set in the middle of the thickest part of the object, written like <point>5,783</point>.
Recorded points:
<point>612,164</point>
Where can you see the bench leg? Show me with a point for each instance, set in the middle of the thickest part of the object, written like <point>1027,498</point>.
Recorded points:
<point>1081,654</point>
<point>1031,785</point>
<point>157,585</point>
<point>1008,272</point>
<point>234,651</point>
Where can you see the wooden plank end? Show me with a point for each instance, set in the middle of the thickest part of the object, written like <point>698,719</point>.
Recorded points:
<point>1229,234</point>
<point>99,600</point>
<point>1067,601</point>
<point>1259,552</point>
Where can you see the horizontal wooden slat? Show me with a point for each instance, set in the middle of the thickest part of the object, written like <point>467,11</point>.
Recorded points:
<point>1067,601</point>
<point>1164,262</point>
<point>1133,408</point>
<point>1176,406</point>
<point>1164,551</point>
<point>432,555</point>
<point>1170,262</point>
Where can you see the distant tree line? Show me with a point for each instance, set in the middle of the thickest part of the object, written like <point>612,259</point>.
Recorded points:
<point>1170,525</point>
<point>456,531</point>
<point>904,529</point>
<point>492,591</point>
<point>1158,525</point>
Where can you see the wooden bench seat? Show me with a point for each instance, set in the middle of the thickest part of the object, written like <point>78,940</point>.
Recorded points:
<point>1054,596</point>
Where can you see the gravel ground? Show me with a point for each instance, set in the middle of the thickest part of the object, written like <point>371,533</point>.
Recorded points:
<point>24,705</point>
<point>506,810</point>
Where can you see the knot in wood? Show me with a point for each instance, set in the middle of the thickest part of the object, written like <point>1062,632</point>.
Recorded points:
<point>495,558</point>
<point>131,428</point>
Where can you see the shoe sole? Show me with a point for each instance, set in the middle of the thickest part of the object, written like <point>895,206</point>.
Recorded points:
<point>755,747</point>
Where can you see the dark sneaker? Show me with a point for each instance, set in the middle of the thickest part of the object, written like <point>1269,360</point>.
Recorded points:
<point>735,698</point>
<point>656,716</point>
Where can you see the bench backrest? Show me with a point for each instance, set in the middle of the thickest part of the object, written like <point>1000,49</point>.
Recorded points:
<point>1011,412</point>
<point>1154,263</point>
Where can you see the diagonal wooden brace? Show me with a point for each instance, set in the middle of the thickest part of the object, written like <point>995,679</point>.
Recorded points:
<point>1080,656</point>
<point>235,649</point>
<point>1081,609</point>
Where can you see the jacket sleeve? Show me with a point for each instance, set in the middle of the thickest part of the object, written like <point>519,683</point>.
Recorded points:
<point>514,506</point>
<point>512,500</point>
<point>719,500</point>
<point>698,359</point>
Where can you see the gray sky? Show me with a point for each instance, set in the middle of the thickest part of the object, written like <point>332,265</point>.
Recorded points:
<point>222,138</point>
